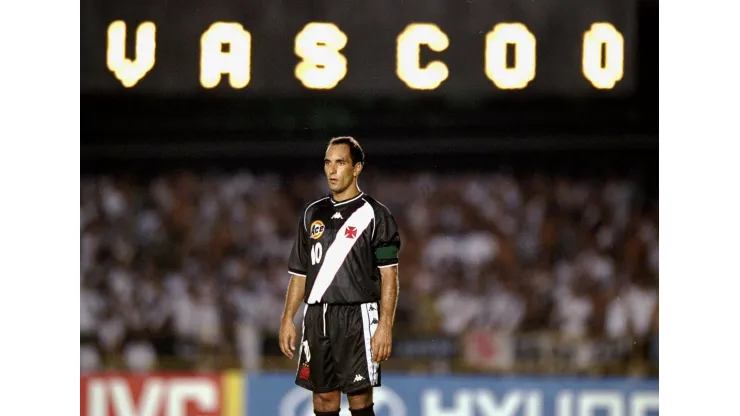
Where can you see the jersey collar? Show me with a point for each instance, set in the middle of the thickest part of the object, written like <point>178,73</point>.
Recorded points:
<point>335,203</point>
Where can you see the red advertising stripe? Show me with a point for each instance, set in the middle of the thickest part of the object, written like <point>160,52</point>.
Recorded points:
<point>156,394</point>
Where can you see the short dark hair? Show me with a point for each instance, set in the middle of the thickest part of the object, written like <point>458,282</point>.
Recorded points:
<point>355,150</point>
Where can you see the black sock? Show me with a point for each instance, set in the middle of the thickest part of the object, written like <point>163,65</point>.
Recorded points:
<point>334,413</point>
<point>367,411</point>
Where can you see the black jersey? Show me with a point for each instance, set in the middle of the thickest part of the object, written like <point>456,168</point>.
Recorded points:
<point>340,247</point>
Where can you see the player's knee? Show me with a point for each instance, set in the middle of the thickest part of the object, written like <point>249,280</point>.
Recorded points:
<point>326,402</point>
<point>365,411</point>
<point>361,403</point>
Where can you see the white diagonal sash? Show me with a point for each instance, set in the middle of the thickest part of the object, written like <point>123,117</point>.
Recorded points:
<point>338,250</point>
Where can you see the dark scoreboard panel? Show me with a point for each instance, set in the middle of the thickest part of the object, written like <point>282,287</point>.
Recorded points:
<point>382,48</point>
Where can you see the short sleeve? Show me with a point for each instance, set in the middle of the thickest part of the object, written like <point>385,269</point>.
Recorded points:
<point>386,239</point>
<point>298,261</point>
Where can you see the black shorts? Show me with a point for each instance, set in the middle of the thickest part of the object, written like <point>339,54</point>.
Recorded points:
<point>335,348</point>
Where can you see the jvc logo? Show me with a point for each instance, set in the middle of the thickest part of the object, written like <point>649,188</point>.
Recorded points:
<point>158,397</point>
<point>481,402</point>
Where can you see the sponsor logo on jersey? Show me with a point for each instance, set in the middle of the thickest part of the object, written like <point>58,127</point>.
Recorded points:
<point>317,229</point>
<point>337,216</point>
<point>350,232</point>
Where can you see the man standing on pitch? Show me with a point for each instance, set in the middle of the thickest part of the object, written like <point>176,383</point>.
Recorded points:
<point>344,266</point>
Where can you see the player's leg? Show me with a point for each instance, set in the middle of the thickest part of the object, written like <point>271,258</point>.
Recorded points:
<point>327,404</point>
<point>353,327</point>
<point>316,368</point>
<point>361,402</point>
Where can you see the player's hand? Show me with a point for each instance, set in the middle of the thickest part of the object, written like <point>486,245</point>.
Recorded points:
<point>380,344</point>
<point>287,339</point>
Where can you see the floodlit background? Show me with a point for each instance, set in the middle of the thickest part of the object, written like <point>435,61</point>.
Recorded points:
<point>524,182</point>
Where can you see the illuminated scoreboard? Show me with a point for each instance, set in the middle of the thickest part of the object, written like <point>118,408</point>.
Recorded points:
<point>471,48</point>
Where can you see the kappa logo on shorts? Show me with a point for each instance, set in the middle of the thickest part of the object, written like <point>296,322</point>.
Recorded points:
<point>358,378</point>
<point>317,229</point>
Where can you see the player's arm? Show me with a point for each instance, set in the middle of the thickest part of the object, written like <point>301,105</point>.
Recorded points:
<point>382,341</point>
<point>298,266</point>
<point>388,296</point>
<point>293,299</point>
<point>386,242</point>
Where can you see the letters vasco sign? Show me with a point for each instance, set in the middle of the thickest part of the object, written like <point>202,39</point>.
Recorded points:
<point>350,48</point>
<point>322,65</point>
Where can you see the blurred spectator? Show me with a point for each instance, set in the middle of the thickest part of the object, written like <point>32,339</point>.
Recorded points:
<point>458,306</point>
<point>92,306</point>
<point>641,298</point>
<point>503,309</point>
<point>111,334</point>
<point>139,354</point>
<point>573,311</point>
<point>206,316</point>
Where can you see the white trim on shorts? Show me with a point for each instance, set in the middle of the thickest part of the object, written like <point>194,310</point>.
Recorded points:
<point>369,330</point>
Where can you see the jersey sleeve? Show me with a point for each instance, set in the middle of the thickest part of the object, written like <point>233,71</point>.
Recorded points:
<point>386,239</point>
<point>298,261</point>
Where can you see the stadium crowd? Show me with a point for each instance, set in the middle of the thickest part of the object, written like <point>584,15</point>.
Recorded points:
<point>187,265</point>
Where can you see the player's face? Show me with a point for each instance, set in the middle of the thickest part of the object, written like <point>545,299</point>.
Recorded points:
<point>338,168</point>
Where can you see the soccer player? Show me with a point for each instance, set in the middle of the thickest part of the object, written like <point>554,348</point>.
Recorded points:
<point>344,266</point>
